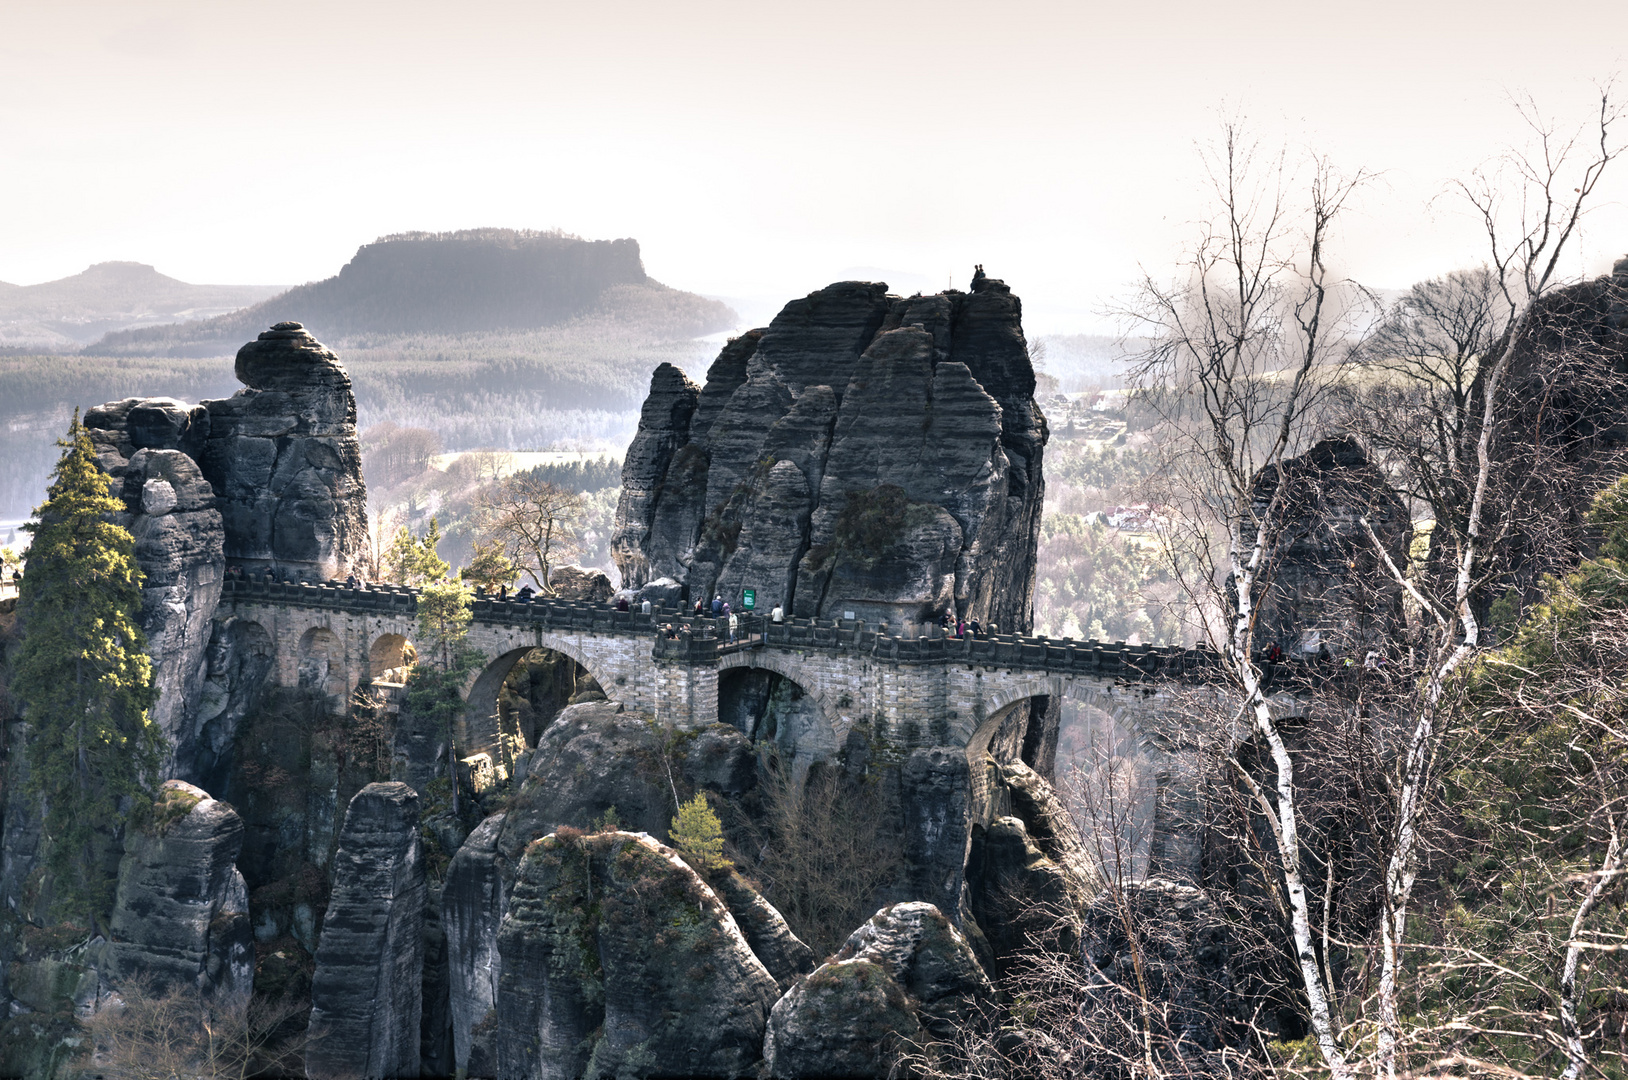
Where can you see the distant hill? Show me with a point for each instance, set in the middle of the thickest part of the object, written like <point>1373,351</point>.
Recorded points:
<point>68,313</point>
<point>479,281</point>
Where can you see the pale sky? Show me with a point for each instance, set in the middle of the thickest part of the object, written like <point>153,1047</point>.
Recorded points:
<point>759,149</point>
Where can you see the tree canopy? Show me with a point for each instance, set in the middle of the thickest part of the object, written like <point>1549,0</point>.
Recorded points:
<point>83,677</point>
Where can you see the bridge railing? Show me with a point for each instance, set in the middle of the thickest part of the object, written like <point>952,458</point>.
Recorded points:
<point>703,637</point>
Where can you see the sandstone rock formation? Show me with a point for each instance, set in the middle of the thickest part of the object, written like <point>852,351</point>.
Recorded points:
<point>181,914</point>
<point>862,453</point>
<point>594,757</point>
<point>903,978</point>
<point>270,478</point>
<point>283,457</point>
<point>366,997</point>
<point>618,959</point>
<point>1326,588</point>
<point>170,510</point>
<point>575,583</point>
<point>1185,957</point>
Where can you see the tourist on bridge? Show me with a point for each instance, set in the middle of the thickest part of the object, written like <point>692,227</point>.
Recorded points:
<point>778,615</point>
<point>960,628</point>
<point>717,606</point>
<point>644,608</point>
<point>621,603</point>
<point>974,625</point>
<point>734,621</point>
<point>698,608</point>
<point>350,581</point>
<point>525,594</point>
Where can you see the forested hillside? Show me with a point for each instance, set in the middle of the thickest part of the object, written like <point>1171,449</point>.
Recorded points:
<point>492,338</point>
<point>471,282</point>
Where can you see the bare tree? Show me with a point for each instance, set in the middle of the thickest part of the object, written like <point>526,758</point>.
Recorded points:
<point>144,1033</point>
<point>1448,452</point>
<point>1243,349</point>
<point>535,522</point>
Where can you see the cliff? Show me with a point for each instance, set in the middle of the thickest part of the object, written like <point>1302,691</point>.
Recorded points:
<point>862,453</point>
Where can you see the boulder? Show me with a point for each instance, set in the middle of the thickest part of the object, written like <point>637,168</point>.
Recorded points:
<point>1329,593</point>
<point>619,959</point>
<point>585,586</point>
<point>863,452</point>
<point>181,913</point>
<point>283,457</point>
<point>366,996</point>
<point>906,977</point>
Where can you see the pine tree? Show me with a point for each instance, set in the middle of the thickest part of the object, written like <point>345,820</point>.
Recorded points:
<point>698,835</point>
<point>435,687</point>
<point>413,560</point>
<point>83,677</point>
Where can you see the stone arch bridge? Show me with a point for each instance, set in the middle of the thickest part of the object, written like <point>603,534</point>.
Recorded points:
<point>914,691</point>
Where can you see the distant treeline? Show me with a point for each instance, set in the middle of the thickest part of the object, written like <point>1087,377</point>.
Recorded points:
<point>596,475</point>
<point>579,385</point>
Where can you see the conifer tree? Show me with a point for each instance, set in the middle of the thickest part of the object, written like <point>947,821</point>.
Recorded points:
<point>698,835</point>
<point>83,676</point>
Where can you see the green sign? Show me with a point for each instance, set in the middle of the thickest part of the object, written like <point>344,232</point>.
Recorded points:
<point>748,599</point>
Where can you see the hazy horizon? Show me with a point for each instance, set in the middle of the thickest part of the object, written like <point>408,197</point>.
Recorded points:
<point>759,153</point>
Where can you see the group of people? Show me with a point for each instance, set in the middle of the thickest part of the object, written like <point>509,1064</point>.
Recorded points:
<point>959,627</point>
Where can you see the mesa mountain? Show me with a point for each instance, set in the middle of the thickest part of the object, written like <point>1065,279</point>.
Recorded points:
<point>473,281</point>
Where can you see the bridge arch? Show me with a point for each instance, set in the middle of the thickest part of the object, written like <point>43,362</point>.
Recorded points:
<point>482,729</point>
<point>321,663</point>
<point>790,709</point>
<point>389,657</point>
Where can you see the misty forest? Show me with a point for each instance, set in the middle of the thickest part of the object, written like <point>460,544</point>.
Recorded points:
<point>489,661</point>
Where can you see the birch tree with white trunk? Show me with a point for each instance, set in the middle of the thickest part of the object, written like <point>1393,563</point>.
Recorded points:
<point>1245,345</point>
<point>1531,205</point>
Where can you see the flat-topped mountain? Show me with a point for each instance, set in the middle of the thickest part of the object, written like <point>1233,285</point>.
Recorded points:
<point>473,281</point>
<point>72,311</point>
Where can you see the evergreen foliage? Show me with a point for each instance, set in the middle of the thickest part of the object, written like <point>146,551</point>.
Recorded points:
<point>490,568</point>
<point>698,835</point>
<point>445,660</point>
<point>83,677</point>
<point>413,560</point>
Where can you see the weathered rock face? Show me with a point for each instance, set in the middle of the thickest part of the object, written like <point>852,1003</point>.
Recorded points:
<point>862,453</point>
<point>181,914</point>
<point>473,903</point>
<point>904,977</point>
<point>1327,588</point>
<point>1022,899</point>
<point>170,510</point>
<point>618,959</point>
<point>268,478</point>
<point>1183,946</point>
<point>1562,432</point>
<point>283,457</point>
<point>594,757</point>
<point>366,997</point>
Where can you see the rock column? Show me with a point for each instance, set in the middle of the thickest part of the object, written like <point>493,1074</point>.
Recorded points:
<point>366,997</point>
